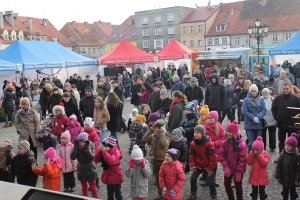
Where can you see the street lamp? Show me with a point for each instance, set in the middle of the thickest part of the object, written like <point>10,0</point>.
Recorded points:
<point>257,32</point>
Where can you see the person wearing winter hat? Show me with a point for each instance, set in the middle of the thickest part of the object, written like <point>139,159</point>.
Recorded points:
<point>163,103</point>
<point>191,106</point>
<point>193,91</point>
<point>46,138</point>
<point>203,115</point>
<point>87,102</point>
<point>53,100</point>
<point>139,171</point>
<point>132,115</point>
<point>74,128</point>
<point>91,131</point>
<point>178,142</point>
<point>153,117</point>
<point>171,176</point>
<point>154,97</point>
<point>287,168</point>
<point>60,121</point>
<point>229,101</point>
<point>259,159</point>
<point>50,171</point>
<point>6,157</point>
<point>232,156</point>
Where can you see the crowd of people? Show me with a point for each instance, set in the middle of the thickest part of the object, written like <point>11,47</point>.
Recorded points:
<point>182,133</point>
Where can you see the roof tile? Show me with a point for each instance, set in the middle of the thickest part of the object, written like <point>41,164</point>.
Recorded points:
<point>200,14</point>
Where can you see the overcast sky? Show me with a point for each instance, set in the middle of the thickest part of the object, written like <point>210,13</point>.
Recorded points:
<point>115,11</point>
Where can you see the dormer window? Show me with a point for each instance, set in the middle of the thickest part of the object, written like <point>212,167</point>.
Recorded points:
<point>6,37</point>
<point>115,36</point>
<point>221,27</point>
<point>121,35</point>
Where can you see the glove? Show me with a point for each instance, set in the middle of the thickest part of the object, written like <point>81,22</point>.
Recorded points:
<point>173,193</point>
<point>238,177</point>
<point>227,172</point>
<point>164,190</point>
<point>131,163</point>
<point>143,163</point>
<point>256,120</point>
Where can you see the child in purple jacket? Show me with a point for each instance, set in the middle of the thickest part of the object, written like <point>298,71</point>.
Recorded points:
<point>233,159</point>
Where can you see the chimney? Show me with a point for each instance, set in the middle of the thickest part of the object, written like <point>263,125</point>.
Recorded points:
<point>1,20</point>
<point>30,23</point>
<point>264,2</point>
<point>16,16</point>
<point>9,17</point>
<point>45,22</point>
<point>208,4</point>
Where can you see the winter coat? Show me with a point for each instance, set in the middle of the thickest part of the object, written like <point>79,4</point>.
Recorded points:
<point>76,82</point>
<point>101,117</point>
<point>139,180</point>
<point>178,86</point>
<point>18,95</point>
<point>64,152</point>
<point>115,115</point>
<point>229,96</point>
<point>26,93</point>
<point>119,92</point>
<point>149,80</point>
<point>47,142</point>
<point>189,122</point>
<point>100,89</point>
<point>240,97</point>
<point>9,98</point>
<point>74,130</point>
<point>60,123</point>
<point>215,94</point>
<point>111,160</point>
<point>280,112</point>
<point>145,97</point>
<point>154,76</point>
<point>177,116</point>
<point>182,147</point>
<point>258,174</point>
<point>278,85</point>
<point>217,139</point>
<point>28,125</point>
<point>5,168</point>
<point>186,80</point>
<point>164,105</point>
<point>172,177</point>
<point>152,101</point>
<point>86,83</point>
<point>127,82</point>
<point>297,71</point>
<point>136,134</point>
<point>203,154</point>
<point>193,93</point>
<point>51,176</point>
<point>44,97</point>
<point>94,136</point>
<point>71,108</point>
<point>287,169</point>
<point>21,168</point>
<point>234,160</point>
<point>86,167</point>
<point>54,100</point>
<point>86,106</point>
<point>34,88</point>
<point>250,112</point>
<point>269,116</point>
<point>77,96</point>
<point>159,144</point>
<point>200,79</point>
<point>260,84</point>
<point>135,98</point>
<point>58,84</point>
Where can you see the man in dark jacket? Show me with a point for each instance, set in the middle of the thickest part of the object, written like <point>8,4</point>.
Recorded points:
<point>193,92</point>
<point>75,80</point>
<point>149,78</point>
<point>215,95</point>
<point>281,113</point>
<point>154,97</point>
<point>87,103</point>
<point>199,76</point>
<point>154,74</point>
<point>85,83</point>
<point>259,81</point>
<point>177,84</point>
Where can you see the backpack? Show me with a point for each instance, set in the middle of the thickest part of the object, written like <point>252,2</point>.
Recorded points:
<point>165,75</point>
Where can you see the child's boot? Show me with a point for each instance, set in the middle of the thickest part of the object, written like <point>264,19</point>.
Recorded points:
<point>262,196</point>
<point>6,125</point>
<point>230,197</point>
<point>193,196</point>
<point>254,196</point>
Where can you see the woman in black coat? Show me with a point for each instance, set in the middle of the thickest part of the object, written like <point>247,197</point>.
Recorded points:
<point>54,99</point>
<point>44,97</point>
<point>71,107</point>
<point>229,101</point>
<point>135,90</point>
<point>114,107</point>
<point>9,97</point>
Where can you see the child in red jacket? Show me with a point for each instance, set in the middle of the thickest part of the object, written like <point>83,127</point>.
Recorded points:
<point>259,159</point>
<point>60,121</point>
<point>203,158</point>
<point>171,176</point>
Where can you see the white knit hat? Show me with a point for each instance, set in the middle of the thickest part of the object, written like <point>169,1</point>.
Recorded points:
<point>253,87</point>
<point>89,121</point>
<point>136,153</point>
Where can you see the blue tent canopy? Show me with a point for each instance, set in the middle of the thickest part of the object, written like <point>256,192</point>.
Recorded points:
<point>291,46</point>
<point>43,55</point>
<point>6,66</point>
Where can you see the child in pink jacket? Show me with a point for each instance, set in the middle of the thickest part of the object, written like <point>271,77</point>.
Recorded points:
<point>232,156</point>
<point>64,151</point>
<point>74,128</point>
<point>259,159</point>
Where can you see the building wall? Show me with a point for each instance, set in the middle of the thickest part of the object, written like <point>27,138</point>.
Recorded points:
<point>213,46</point>
<point>88,51</point>
<point>108,47</point>
<point>193,39</point>
<point>210,21</point>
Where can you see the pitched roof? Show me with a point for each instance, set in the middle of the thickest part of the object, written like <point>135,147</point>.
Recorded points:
<point>278,14</point>
<point>126,31</point>
<point>85,34</point>
<point>200,14</point>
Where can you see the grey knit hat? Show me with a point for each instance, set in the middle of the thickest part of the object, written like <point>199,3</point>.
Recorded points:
<point>163,91</point>
<point>201,129</point>
<point>179,134</point>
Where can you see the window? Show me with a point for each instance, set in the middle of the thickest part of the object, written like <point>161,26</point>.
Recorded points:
<point>199,28</point>
<point>158,31</point>
<point>192,29</point>
<point>247,40</point>
<point>216,40</point>
<point>236,40</point>
<point>145,20</point>
<point>158,44</point>
<point>192,43</point>
<point>145,32</point>
<point>199,43</point>
<point>170,18</point>
<point>121,35</point>
<point>5,37</point>
<point>287,36</point>
<point>13,37</point>
<point>221,27</point>
<point>274,37</point>
<point>146,44</point>
<point>133,34</point>
<point>209,41</point>
<point>224,40</point>
<point>157,19</point>
<point>115,36</point>
<point>83,50</point>
<point>21,37</point>
<point>184,43</point>
<point>184,30</point>
<point>89,50</point>
<point>94,50</point>
<point>103,49</point>
<point>129,23</point>
<point>171,30</point>
<point>99,49</point>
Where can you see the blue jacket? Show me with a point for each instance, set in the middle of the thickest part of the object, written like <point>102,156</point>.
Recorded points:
<point>229,98</point>
<point>250,112</point>
<point>178,86</point>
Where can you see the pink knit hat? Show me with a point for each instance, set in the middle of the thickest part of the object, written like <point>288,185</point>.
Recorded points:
<point>51,153</point>
<point>213,114</point>
<point>233,128</point>
<point>66,134</point>
<point>292,140</point>
<point>258,144</point>
<point>73,116</point>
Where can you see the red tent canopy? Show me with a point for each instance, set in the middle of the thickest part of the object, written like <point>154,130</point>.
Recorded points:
<point>126,53</point>
<point>175,50</point>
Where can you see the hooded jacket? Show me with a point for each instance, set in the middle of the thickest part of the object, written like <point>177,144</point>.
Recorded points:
<point>101,117</point>
<point>216,139</point>
<point>9,97</point>
<point>164,105</point>
<point>182,147</point>
<point>189,122</point>
<point>60,122</point>
<point>152,101</point>
<point>215,94</point>
<point>64,152</point>
<point>94,135</point>
<point>44,97</point>
<point>229,96</point>
<point>177,116</point>
<point>87,105</point>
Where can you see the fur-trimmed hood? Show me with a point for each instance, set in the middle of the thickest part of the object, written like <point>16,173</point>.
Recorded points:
<point>9,88</point>
<point>60,108</point>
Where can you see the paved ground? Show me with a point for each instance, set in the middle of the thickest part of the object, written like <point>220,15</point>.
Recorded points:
<point>273,189</point>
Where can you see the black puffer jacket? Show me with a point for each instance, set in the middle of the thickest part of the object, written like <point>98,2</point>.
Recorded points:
<point>241,96</point>
<point>53,101</point>
<point>182,147</point>
<point>280,112</point>
<point>119,92</point>
<point>287,169</point>
<point>115,114</point>
<point>84,84</point>
<point>71,108</point>
<point>21,168</point>
<point>135,98</point>
<point>76,82</point>
<point>153,100</point>
<point>164,105</point>
<point>18,94</point>
<point>44,97</point>
<point>193,93</point>
<point>229,96</point>
<point>9,99</point>
<point>87,105</point>
<point>215,94</point>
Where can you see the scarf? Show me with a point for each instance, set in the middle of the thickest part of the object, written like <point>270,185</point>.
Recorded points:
<point>3,165</point>
<point>255,102</point>
<point>202,122</point>
<point>190,116</point>
<point>172,105</point>
<point>235,143</point>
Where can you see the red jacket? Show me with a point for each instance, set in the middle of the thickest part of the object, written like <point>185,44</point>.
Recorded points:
<point>258,175</point>
<point>203,154</point>
<point>217,139</point>
<point>207,72</point>
<point>112,172</point>
<point>59,125</point>
<point>172,177</point>
<point>93,136</point>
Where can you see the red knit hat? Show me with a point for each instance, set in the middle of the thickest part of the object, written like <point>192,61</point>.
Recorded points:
<point>292,140</point>
<point>14,83</point>
<point>258,144</point>
<point>213,114</point>
<point>233,128</point>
